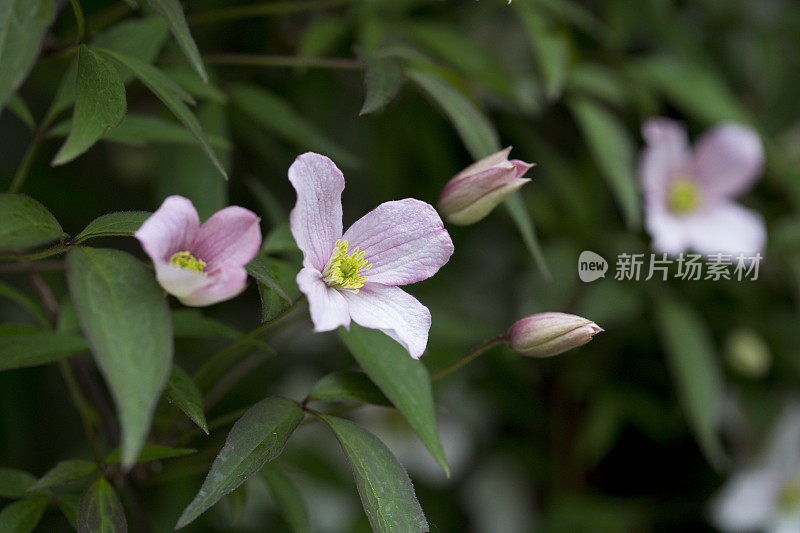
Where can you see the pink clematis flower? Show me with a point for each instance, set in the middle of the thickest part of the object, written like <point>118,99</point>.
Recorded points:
<point>200,265</point>
<point>689,194</point>
<point>355,275</point>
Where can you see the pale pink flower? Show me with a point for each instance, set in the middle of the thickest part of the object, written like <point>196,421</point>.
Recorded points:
<point>548,334</point>
<point>688,193</point>
<point>355,275</point>
<point>479,188</point>
<point>200,265</point>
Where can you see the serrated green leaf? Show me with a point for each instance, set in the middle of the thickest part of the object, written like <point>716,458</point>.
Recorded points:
<point>120,224</point>
<point>172,12</point>
<point>17,105</point>
<point>404,380</point>
<point>65,472</point>
<point>259,268</point>
<point>151,452</point>
<point>383,78</point>
<point>183,392</point>
<point>24,222</point>
<point>613,150</point>
<point>476,131</point>
<point>40,348</point>
<point>347,386</point>
<point>289,499</point>
<point>100,510</point>
<point>256,438</point>
<point>22,516</point>
<point>698,377</point>
<point>125,316</point>
<point>277,116</point>
<point>100,104</point>
<point>22,27</point>
<point>173,97</point>
<point>383,484</point>
<point>14,483</point>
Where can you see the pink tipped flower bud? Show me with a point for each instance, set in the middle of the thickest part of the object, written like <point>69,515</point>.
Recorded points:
<point>546,334</point>
<point>476,190</point>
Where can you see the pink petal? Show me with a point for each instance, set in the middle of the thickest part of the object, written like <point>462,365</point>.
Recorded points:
<point>497,158</point>
<point>468,199</point>
<point>172,228</point>
<point>179,282</point>
<point>328,308</point>
<point>667,153</point>
<point>316,220</point>
<point>222,285</point>
<point>521,166</point>
<point>726,227</point>
<point>728,160</point>
<point>405,241</point>
<point>231,237</point>
<point>667,230</point>
<point>393,311</point>
<point>747,501</point>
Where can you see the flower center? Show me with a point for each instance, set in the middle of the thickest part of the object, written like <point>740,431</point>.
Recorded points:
<point>345,270</point>
<point>789,495</point>
<point>683,197</point>
<point>186,260</point>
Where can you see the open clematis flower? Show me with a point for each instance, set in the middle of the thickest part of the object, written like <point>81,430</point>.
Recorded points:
<point>766,496</point>
<point>200,265</point>
<point>355,275</point>
<point>689,194</point>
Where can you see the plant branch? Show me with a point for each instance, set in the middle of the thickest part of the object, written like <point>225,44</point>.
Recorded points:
<point>263,9</point>
<point>469,356</point>
<point>257,60</point>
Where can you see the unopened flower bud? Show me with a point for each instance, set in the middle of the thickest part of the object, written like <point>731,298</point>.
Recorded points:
<point>547,334</point>
<point>748,354</point>
<point>479,188</point>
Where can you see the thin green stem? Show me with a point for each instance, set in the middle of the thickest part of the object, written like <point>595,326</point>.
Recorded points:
<point>53,250</point>
<point>217,362</point>
<point>25,165</point>
<point>84,409</point>
<point>76,8</point>
<point>263,9</point>
<point>254,60</point>
<point>469,356</point>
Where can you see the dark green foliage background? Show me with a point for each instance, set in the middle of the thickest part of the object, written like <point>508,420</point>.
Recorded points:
<point>593,440</point>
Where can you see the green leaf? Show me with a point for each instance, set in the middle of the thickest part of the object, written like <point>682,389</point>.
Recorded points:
<point>22,27</point>
<point>383,484</point>
<point>68,503</point>
<point>151,452</point>
<point>126,318</point>
<point>347,386</point>
<point>289,499</point>
<point>284,272</point>
<point>191,82</point>
<point>65,472</point>
<point>697,90</point>
<point>193,324</point>
<point>14,483</point>
<point>24,222</point>
<point>404,380</point>
<point>40,348</point>
<point>383,78</point>
<point>172,96</point>
<point>259,268</point>
<point>172,12</point>
<point>120,224</point>
<point>22,516</point>
<point>100,510</point>
<point>476,131</point>
<point>613,150</point>
<point>100,105</point>
<point>183,392</point>
<point>519,213</point>
<point>26,302</point>
<point>277,116</point>
<point>550,46</point>
<point>698,377</point>
<point>256,438</point>
<point>18,106</point>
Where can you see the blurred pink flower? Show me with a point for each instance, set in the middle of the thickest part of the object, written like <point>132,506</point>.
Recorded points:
<point>355,275</point>
<point>200,265</point>
<point>688,194</point>
<point>479,188</point>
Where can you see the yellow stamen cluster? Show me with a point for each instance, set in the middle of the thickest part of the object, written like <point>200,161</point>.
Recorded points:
<point>683,197</point>
<point>345,270</point>
<point>186,260</point>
